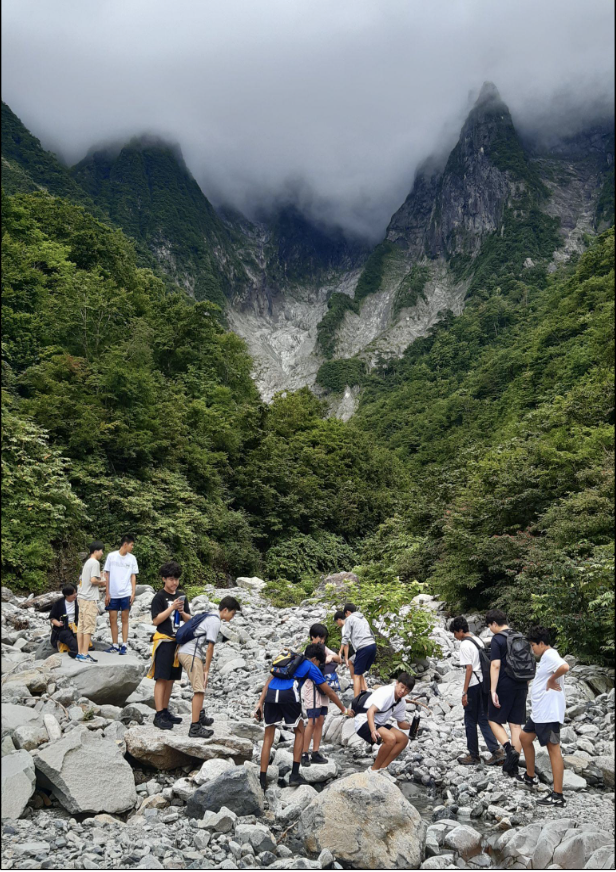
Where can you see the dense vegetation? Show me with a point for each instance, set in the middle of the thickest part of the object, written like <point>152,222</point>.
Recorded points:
<point>411,289</point>
<point>372,275</point>
<point>335,375</point>
<point>127,407</point>
<point>327,328</point>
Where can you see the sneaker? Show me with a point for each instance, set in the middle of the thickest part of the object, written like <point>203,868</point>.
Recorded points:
<point>318,758</point>
<point>161,722</point>
<point>554,799</point>
<point>497,758</point>
<point>123,649</point>
<point>510,766</point>
<point>296,779</point>
<point>113,649</point>
<point>198,731</point>
<point>469,760</point>
<point>306,760</point>
<point>173,718</point>
<point>525,778</point>
<point>203,719</point>
<point>90,659</point>
<point>81,658</point>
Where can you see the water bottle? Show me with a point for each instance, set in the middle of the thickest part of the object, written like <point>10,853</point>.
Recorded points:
<point>176,614</point>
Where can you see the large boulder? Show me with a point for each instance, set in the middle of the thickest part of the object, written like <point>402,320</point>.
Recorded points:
<point>464,839</point>
<point>18,782</point>
<point>87,773</point>
<point>239,791</point>
<point>549,839</point>
<point>14,716</point>
<point>573,852</point>
<point>602,858</point>
<point>211,769</point>
<point>42,603</point>
<point>365,821</point>
<point>168,749</point>
<point>340,581</point>
<point>112,680</point>
<point>313,774</point>
<point>292,801</point>
<point>254,584</point>
<point>605,765</point>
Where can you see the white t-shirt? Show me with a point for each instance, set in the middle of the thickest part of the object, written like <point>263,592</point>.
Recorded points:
<point>548,706</point>
<point>207,631</point>
<point>87,590</point>
<point>388,708</point>
<point>120,570</point>
<point>469,656</point>
<point>70,611</point>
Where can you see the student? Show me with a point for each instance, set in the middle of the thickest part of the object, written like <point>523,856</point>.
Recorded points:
<point>63,616</point>
<point>473,697</point>
<point>87,600</point>
<point>315,702</point>
<point>356,632</point>
<point>280,704</point>
<point>165,667</point>
<point>191,658</point>
<point>374,727</point>
<point>507,697</point>
<point>547,713</point>
<point>121,580</point>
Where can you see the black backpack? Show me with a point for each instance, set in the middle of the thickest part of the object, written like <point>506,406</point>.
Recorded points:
<point>286,664</point>
<point>484,663</point>
<point>358,703</point>
<point>521,664</point>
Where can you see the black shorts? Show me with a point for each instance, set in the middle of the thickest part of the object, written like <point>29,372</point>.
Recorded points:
<point>364,658</point>
<point>163,662</point>
<point>282,708</point>
<point>546,733</point>
<point>364,731</point>
<point>512,698</point>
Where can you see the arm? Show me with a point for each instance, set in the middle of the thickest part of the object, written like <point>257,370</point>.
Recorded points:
<point>133,581</point>
<point>467,680</point>
<point>208,659</point>
<point>370,715</point>
<point>106,583</point>
<point>258,712</point>
<point>56,623</point>
<point>326,690</point>
<point>552,682</point>
<point>333,658</point>
<point>495,666</point>
<point>345,651</point>
<point>403,725</point>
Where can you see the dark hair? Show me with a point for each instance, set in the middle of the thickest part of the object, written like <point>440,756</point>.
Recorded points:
<point>126,540</point>
<point>319,630</point>
<point>170,570</point>
<point>459,623</point>
<point>496,616</point>
<point>230,603</point>
<point>338,616</point>
<point>95,546</point>
<point>406,679</point>
<point>316,650</point>
<point>69,590</point>
<point>349,607</point>
<point>539,634</point>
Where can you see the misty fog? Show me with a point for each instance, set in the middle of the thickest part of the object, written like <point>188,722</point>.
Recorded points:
<point>330,104</point>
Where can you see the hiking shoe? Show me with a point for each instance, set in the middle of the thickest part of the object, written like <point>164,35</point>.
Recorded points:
<point>123,649</point>
<point>469,760</point>
<point>497,758</point>
<point>525,778</point>
<point>82,658</point>
<point>296,779</point>
<point>510,766</point>
<point>203,719</point>
<point>113,649</point>
<point>173,718</point>
<point>90,659</point>
<point>198,731</point>
<point>162,722</point>
<point>306,760</point>
<point>554,799</point>
<point>318,758</point>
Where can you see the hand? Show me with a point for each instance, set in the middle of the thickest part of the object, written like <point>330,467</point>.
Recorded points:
<point>328,659</point>
<point>495,699</point>
<point>206,676</point>
<point>177,604</point>
<point>107,599</point>
<point>464,699</point>
<point>375,737</point>
<point>350,713</point>
<point>552,684</point>
<point>258,712</point>
<point>132,598</point>
<point>348,665</point>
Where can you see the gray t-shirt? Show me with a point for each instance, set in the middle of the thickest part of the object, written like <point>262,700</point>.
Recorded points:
<point>87,590</point>
<point>207,631</point>
<point>356,631</point>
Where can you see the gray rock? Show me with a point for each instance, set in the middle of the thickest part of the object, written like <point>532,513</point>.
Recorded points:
<point>87,774</point>
<point>602,858</point>
<point>238,791</point>
<point>211,769</point>
<point>168,749</point>
<point>254,584</point>
<point>256,835</point>
<point>14,716</point>
<point>18,783</point>
<point>550,837</point>
<point>464,839</point>
<point>31,735</point>
<point>221,821</point>
<point>112,680</point>
<point>54,730</point>
<point>605,765</point>
<point>42,603</point>
<point>292,801</point>
<point>571,781</point>
<point>573,852</point>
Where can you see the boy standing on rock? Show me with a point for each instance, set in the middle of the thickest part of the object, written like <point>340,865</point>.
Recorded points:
<point>280,705</point>
<point>356,632</point>
<point>165,668</point>
<point>87,599</point>
<point>547,713</point>
<point>315,702</point>
<point>121,580</point>
<point>473,697</point>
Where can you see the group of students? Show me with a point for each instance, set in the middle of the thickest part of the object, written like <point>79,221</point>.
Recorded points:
<point>494,692</point>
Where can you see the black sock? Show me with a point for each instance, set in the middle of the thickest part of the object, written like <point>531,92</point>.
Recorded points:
<point>295,768</point>
<point>194,723</point>
<point>507,746</point>
<point>263,779</point>
<point>556,793</point>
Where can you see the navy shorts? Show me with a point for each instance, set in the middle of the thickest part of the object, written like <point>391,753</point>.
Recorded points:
<point>364,732</point>
<point>364,658</point>
<point>546,733</point>
<point>315,713</point>
<point>282,708</point>
<point>118,604</point>
<point>512,698</point>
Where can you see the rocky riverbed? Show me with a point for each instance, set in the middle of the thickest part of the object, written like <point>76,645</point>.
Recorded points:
<point>89,783</point>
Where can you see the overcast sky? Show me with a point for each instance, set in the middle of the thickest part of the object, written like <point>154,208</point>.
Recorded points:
<point>337,99</point>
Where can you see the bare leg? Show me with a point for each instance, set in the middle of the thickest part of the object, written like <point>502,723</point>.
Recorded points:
<point>401,741</point>
<point>527,740</point>
<point>500,734</point>
<point>558,766</point>
<point>113,625</point>
<point>197,705</point>
<point>80,644</point>
<point>387,745</point>
<point>161,693</point>
<point>356,684</point>
<point>362,683</point>
<point>515,730</point>
<point>308,735</point>
<point>266,750</point>
<point>318,732</point>
<point>299,742</point>
<point>167,695</point>
<point>124,626</point>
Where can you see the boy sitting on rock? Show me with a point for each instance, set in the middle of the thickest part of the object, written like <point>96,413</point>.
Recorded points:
<point>547,713</point>
<point>315,702</point>
<point>280,705</point>
<point>373,724</point>
<point>63,616</point>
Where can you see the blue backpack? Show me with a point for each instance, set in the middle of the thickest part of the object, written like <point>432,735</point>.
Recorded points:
<point>186,633</point>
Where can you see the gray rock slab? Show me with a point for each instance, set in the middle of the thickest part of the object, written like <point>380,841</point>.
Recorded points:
<point>18,783</point>
<point>111,680</point>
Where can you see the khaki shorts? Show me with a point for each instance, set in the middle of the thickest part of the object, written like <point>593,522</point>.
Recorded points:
<point>88,613</point>
<point>195,671</point>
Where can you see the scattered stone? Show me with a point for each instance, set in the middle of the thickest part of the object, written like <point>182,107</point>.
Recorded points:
<point>18,783</point>
<point>238,791</point>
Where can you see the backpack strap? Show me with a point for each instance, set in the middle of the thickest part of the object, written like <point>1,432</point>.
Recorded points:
<point>479,648</point>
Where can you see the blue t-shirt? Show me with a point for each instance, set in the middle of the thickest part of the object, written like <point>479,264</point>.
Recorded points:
<point>306,670</point>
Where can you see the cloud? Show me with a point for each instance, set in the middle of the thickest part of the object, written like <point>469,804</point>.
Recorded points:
<point>342,99</point>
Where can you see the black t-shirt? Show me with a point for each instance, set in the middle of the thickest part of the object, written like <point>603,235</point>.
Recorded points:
<point>498,651</point>
<point>161,602</point>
